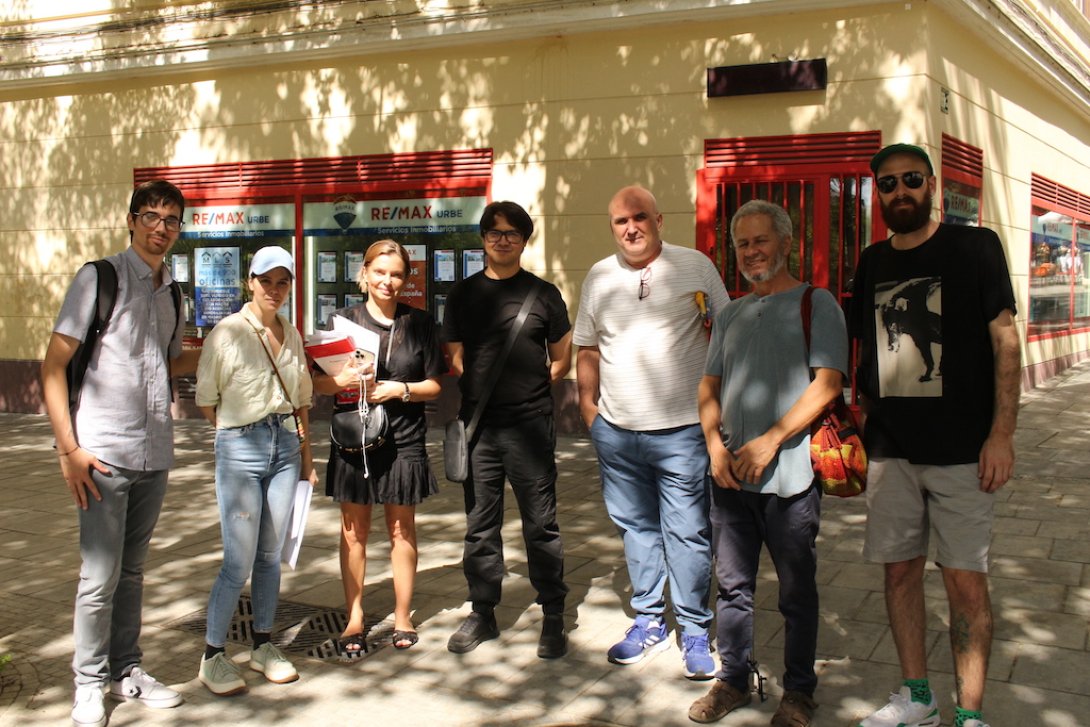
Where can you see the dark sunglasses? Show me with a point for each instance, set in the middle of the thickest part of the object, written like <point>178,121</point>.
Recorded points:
<point>912,180</point>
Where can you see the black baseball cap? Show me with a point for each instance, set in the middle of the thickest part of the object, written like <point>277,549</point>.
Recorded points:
<point>887,152</point>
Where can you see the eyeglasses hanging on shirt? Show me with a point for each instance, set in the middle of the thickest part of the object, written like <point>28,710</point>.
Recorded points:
<point>645,283</point>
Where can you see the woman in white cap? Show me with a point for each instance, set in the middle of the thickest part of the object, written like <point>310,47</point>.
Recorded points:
<point>254,386</point>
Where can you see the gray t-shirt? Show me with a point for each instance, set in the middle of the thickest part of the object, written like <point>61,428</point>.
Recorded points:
<point>123,414</point>
<point>758,349</point>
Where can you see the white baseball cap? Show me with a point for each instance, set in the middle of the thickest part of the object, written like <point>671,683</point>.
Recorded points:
<point>271,257</point>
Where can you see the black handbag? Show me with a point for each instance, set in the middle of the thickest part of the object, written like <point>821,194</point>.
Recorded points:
<point>359,431</point>
<point>458,435</point>
<point>456,451</point>
<point>356,431</point>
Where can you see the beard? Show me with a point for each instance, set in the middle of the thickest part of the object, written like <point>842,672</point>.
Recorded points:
<point>907,218</point>
<point>774,268</point>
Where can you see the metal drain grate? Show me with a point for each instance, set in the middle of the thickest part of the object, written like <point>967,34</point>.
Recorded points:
<point>297,629</point>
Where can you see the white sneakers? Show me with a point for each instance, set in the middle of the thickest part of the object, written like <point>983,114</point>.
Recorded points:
<point>224,678</point>
<point>903,712</point>
<point>221,675</point>
<point>271,662</point>
<point>88,709</point>
<point>139,686</point>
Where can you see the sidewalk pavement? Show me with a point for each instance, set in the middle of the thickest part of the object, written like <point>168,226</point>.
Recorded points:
<point>1040,590</point>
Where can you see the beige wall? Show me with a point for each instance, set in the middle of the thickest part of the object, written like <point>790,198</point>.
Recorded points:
<point>570,118</point>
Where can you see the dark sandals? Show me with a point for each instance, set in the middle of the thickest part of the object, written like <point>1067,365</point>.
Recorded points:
<point>354,645</point>
<point>404,639</point>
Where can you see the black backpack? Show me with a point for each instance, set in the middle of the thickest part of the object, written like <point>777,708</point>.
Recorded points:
<point>104,308</point>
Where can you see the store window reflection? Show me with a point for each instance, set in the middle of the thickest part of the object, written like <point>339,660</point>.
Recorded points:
<point>212,257</point>
<point>1059,272</point>
<point>440,234</point>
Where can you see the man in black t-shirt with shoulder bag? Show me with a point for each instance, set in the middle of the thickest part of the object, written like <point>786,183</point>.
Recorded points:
<point>515,438</point>
<point>939,373</point>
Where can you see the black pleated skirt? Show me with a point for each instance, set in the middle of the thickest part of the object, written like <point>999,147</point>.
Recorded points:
<point>398,476</point>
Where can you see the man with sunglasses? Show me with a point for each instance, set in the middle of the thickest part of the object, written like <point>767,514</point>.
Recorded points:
<point>939,379</point>
<point>516,436</point>
<point>642,342</point>
<point>116,446</point>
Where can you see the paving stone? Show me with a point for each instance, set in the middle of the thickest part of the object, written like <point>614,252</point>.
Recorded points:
<point>1077,551</point>
<point>1007,525</point>
<point>1012,593</point>
<point>1077,601</point>
<point>1036,569</point>
<point>1051,668</point>
<point>1046,628</point>
<point>1026,546</point>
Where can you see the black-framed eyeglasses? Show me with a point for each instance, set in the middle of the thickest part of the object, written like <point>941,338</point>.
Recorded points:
<point>912,180</point>
<point>513,236</point>
<point>645,283</point>
<point>151,220</point>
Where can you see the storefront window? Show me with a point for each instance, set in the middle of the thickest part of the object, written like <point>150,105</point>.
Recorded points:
<point>960,203</point>
<point>1059,279</point>
<point>211,259</point>
<point>440,233</point>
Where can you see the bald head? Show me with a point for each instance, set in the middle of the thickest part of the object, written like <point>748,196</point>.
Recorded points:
<point>636,223</point>
<point>634,194</point>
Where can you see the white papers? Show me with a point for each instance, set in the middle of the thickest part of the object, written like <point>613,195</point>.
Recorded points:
<point>294,541</point>
<point>365,340</point>
<point>331,349</point>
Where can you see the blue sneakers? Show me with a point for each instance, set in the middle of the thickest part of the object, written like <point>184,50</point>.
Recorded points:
<point>646,636</point>
<point>697,658</point>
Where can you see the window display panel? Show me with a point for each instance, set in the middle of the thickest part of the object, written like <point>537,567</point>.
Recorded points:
<point>1053,262</point>
<point>960,203</point>
<point>441,235</point>
<point>1080,272</point>
<point>211,259</point>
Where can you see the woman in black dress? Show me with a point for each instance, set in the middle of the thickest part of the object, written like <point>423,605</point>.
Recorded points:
<point>396,474</point>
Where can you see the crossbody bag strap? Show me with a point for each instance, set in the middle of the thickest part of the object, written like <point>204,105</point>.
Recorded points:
<point>276,371</point>
<point>275,368</point>
<point>497,367</point>
<point>807,311</point>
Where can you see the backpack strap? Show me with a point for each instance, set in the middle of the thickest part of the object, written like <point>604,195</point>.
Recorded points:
<point>105,298</point>
<point>176,296</point>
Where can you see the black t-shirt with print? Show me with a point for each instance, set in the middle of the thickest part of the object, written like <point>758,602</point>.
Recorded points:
<point>479,314</point>
<point>926,363</point>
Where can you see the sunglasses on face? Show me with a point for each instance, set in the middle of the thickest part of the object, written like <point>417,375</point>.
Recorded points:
<point>912,180</point>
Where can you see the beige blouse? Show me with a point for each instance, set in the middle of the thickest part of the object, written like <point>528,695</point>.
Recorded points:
<point>235,376</point>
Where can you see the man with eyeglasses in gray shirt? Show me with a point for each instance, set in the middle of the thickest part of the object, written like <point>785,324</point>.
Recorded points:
<point>116,445</point>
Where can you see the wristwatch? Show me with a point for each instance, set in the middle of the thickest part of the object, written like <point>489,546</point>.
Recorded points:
<point>405,396</point>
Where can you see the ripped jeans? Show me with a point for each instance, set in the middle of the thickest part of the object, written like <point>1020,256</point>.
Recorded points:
<point>257,467</point>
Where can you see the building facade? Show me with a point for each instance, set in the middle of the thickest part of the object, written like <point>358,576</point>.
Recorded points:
<point>322,126</point>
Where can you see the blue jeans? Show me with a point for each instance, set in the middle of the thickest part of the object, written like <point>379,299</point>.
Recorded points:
<point>524,453</point>
<point>655,487</point>
<point>113,542</point>
<point>257,468</point>
<point>741,522</point>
